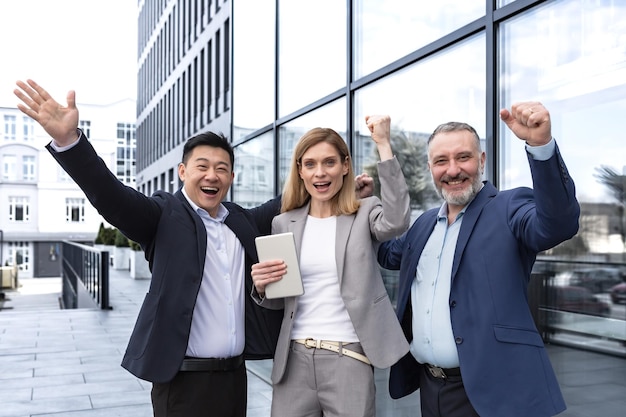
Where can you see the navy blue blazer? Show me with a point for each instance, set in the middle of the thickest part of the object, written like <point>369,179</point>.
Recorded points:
<point>506,370</point>
<point>174,240</point>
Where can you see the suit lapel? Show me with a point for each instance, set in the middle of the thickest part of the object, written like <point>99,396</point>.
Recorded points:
<point>239,224</point>
<point>344,225</point>
<point>413,252</point>
<point>296,220</point>
<point>469,221</point>
<point>199,225</point>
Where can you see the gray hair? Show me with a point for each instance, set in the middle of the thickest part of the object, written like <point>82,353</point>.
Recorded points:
<point>455,127</point>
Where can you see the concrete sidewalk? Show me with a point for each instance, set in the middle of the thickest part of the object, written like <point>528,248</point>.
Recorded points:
<point>67,362</point>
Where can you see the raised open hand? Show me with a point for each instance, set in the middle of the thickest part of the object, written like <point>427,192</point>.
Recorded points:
<point>58,121</point>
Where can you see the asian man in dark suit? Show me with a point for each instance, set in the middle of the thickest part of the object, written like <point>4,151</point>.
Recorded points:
<point>197,322</point>
<point>464,272</point>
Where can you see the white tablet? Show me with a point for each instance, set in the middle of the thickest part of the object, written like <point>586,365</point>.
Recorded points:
<point>281,246</point>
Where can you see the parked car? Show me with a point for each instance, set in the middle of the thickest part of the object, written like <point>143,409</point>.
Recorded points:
<point>618,293</point>
<point>577,300</point>
<point>598,280</point>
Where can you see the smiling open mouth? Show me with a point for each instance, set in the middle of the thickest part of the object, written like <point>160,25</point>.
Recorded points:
<point>321,184</point>
<point>209,190</point>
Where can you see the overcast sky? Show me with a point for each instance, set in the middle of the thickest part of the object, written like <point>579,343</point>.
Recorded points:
<point>85,45</point>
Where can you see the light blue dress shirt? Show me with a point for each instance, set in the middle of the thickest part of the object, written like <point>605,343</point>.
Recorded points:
<point>433,339</point>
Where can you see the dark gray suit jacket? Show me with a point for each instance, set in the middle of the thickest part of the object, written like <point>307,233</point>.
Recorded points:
<point>174,240</point>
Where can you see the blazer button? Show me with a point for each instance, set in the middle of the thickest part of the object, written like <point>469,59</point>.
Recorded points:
<point>458,340</point>
<point>452,303</point>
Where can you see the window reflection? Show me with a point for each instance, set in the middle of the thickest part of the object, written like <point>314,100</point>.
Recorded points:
<point>253,65</point>
<point>332,116</point>
<point>254,171</point>
<point>312,51</point>
<point>579,74</point>
<point>418,99</point>
<point>386,31</point>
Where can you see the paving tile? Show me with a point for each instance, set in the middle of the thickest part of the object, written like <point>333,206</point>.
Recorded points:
<point>76,389</point>
<point>62,406</point>
<point>66,363</point>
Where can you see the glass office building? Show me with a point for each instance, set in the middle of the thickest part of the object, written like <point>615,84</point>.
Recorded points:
<point>266,71</point>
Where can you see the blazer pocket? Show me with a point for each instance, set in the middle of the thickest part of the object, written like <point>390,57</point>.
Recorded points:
<point>380,298</point>
<point>517,335</point>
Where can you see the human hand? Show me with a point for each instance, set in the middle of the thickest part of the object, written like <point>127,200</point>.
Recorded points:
<point>58,121</point>
<point>380,128</point>
<point>364,185</point>
<point>266,272</point>
<point>529,121</point>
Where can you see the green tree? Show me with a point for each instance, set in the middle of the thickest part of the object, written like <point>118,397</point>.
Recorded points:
<point>412,154</point>
<point>616,183</point>
<point>100,236</point>
<point>121,241</point>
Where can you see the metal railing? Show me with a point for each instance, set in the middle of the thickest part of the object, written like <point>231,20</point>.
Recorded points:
<point>85,276</point>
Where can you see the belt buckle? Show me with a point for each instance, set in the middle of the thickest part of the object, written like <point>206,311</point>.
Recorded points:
<point>310,343</point>
<point>437,372</point>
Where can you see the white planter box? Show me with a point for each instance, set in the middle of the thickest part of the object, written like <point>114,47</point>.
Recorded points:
<point>139,267</point>
<point>121,258</point>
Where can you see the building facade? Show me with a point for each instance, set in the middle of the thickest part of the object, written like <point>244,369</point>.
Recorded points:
<point>266,71</point>
<point>40,205</point>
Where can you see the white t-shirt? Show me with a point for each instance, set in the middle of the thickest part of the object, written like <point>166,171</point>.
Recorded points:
<point>321,313</point>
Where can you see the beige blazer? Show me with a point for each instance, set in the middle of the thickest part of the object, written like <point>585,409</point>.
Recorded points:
<point>362,288</point>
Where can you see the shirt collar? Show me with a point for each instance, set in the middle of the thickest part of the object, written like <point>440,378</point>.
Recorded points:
<point>222,212</point>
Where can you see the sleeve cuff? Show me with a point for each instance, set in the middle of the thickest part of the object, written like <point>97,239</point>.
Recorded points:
<point>543,152</point>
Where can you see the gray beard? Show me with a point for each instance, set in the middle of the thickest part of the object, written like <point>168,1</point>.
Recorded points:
<point>463,198</point>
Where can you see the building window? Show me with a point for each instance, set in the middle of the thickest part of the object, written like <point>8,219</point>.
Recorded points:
<point>9,163</point>
<point>19,209</point>
<point>126,147</point>
<point>28,168</point>
<point>74,210</point>
<point>19,254</point>
<point>29,128</point>
<point>64,176</point>
<point>85,126</point>
<point>9,127</point>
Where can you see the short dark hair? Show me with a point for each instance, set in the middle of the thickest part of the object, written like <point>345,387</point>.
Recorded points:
<point>215,140</point>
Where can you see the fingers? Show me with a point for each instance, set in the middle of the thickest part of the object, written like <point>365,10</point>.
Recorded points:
<point>531,113</point>
<point>264,273</point>
<point>71,99</point>
<point>28,97</point>
<point>529,121</point>
<point>378,123</point>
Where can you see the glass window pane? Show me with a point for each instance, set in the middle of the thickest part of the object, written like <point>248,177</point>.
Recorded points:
<point>579,74</point>
<point>388,30</point>
<point>254,171</point>
<point>418,99</point>
<point>312,52</point>
<point>332,116</point>
<point>253,65</point>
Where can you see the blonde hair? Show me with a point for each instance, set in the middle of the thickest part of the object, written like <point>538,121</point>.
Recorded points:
<point>295,194</point>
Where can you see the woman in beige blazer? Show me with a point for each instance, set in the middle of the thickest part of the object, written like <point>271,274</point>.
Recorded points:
<point>344,324</point>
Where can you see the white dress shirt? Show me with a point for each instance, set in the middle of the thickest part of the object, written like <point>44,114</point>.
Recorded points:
<point>218,322</point>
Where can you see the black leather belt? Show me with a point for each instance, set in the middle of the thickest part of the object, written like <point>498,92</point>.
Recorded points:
<point>211,364</point>
<point>442,373</point>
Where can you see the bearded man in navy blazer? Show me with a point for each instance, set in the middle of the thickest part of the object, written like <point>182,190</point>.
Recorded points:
<point>464,271</point>
<point>197,322</point>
